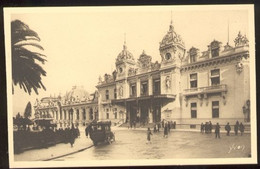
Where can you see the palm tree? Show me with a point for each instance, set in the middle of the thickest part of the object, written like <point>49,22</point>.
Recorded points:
<point>26,68</point>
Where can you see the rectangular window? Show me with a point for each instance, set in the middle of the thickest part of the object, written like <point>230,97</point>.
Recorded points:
<point>193,58</point>
<point>215,52</point>
<point>107,94</point>
<point>65,115</point>
<point>144,88</point>
<point>156,86</point>
<point>215,109</point>
<point>115,93</point>
<point>84,114</point>
<point>215,77</point>
<point>77,114</point>
<point>107,113</point>
<point>193,80</point>
<point>193,109</point>
<point>192,126</point>
<point>115,113</point>
<point>133,89</point>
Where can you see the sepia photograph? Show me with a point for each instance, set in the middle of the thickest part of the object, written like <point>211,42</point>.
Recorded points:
<point>130,85</point>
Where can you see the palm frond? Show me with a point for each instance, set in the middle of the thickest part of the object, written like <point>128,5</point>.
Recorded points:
<point>25,71</point>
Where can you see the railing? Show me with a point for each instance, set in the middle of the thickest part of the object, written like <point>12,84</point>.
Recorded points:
<point>156,92</point>
<point>133,95</point>
<point>144,94</point>
<point>208,89</point>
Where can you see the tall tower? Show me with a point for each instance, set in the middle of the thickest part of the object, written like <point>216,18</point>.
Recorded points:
<point>172,49</point>
<point>125,63</point>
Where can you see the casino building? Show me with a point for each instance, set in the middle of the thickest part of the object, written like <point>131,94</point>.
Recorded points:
<point>186,86</point>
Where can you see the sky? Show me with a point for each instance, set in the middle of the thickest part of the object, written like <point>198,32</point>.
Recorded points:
<point>83,43</point>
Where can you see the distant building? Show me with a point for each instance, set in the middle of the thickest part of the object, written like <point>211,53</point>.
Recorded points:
<point>186,86</point>
<point>77,107</point>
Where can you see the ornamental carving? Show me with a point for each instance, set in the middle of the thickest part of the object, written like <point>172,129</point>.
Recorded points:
<point>171,37</point>
<point>168,82</point>
<point>241,40</point>
<point>145,60</point>
<point>132,71</point>
<point>215,44</point>
<point>239,67</point>
<point>156,65</point>
<point>108,78</point>
<point>120,91</point>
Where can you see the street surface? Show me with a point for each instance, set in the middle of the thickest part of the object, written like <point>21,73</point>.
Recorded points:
<point>132,144</point>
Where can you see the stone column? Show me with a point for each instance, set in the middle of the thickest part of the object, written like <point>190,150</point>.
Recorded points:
<point>150,85</point>
<point>57,115</point>
<point>138,88</point>
<point>53,114</point>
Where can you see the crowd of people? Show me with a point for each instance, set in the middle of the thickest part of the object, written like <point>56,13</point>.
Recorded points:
<point>207,128</point>
<point>44,137</point>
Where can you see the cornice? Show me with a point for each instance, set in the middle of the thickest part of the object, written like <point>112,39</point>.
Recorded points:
<point>215,61</point>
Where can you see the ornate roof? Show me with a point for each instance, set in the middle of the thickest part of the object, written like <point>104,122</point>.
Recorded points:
<point>171,38</point>
<point>124,55</point>
<point>77,94</point>
<point>241,40</point>
<point>145,60</point>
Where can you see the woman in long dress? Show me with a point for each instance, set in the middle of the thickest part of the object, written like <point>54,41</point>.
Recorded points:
<point>149,133</point>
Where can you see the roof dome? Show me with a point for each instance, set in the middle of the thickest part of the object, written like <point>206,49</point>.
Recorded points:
<point>125,55</point>
<point>77,94</point>
<point>171,38</point>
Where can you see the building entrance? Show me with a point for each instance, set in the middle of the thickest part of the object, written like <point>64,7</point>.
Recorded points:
<point>156,113</point>
<point>132,108</point>
<point>144,110</point>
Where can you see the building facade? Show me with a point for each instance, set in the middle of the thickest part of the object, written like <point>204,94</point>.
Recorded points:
<point>186,86</point>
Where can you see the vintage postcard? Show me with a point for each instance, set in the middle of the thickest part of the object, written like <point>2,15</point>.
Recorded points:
<point>131,85</point>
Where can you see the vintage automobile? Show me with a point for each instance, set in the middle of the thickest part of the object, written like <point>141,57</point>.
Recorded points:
<point>100,132</point>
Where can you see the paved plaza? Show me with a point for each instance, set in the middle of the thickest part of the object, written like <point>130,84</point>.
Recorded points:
<point>132,144</point>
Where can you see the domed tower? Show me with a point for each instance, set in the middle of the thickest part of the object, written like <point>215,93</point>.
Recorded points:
<point>124,62</point>
<point>172,49</point>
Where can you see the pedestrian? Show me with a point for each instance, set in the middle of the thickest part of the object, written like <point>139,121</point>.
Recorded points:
<point>134,124</point>
<point>228,128</point>
<point>163,123</point>
<point>236,128</point>
<point>206,127</point>
<point>217,131</point>
<point>241,128</point>
<point>210,127</point>
<point>149,133</point>
<point>174,125</point>
<point>169,126</point>
<point>72,135</point>
<point>78,132</point>
<point>154,128</point>
<point>87,131</point>
<point>159,126</point>
<point>165,131</point>
<point>202,128</point>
